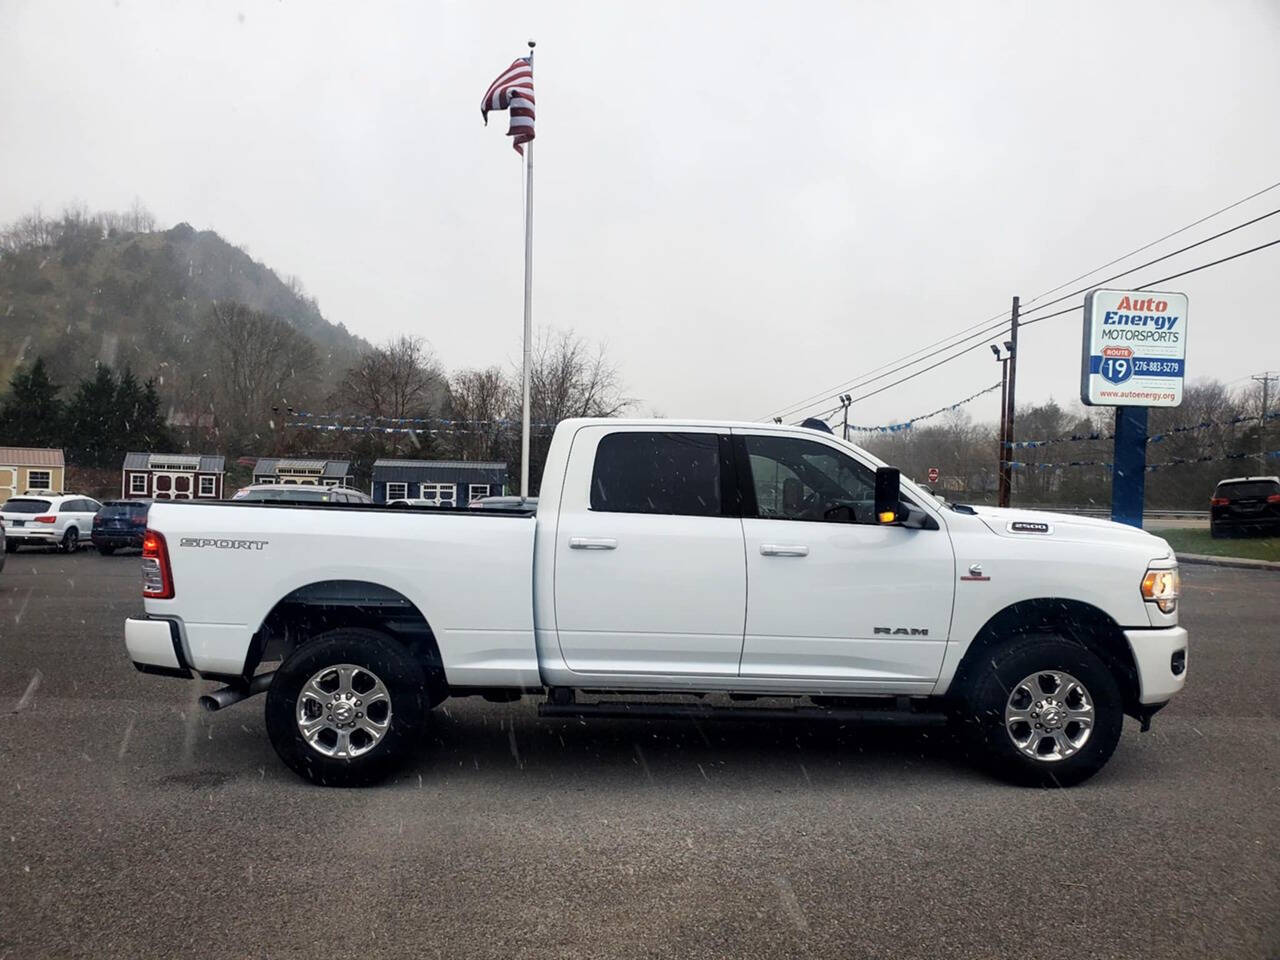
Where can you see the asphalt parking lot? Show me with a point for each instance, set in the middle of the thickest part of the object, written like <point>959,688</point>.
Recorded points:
<point>135,825</point>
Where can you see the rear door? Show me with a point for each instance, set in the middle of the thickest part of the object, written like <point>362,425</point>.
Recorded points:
<point>829,598</point>
<point>649,572</point>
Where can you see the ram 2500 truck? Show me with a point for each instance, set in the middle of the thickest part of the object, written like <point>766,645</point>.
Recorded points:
<point>666,557</point>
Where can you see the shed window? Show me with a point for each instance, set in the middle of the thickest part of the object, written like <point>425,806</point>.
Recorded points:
<point>476,491</point>
<point>40,479</point>
<point>208,486</point>
<point>397,491</point>
<point>441,494</point>
<point>138,483</point>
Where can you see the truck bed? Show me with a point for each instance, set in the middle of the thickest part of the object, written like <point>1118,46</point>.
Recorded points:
<point>468,572</point>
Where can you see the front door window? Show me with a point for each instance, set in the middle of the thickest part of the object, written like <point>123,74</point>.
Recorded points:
<point>796,479</point>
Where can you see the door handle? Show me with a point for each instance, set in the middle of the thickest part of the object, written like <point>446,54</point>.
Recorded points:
<point>593,543</point>
<point>784,550</point>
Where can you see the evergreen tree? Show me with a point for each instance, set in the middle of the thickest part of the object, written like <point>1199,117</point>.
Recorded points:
<point>92,425</point>
<point>139,410</point>
<point>30,414</point>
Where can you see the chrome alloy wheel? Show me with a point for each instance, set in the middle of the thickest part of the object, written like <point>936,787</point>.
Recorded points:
<point>1049,715</point>
<point>343,711</point>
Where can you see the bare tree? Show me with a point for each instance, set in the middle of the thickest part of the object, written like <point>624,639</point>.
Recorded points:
<point>256,362</point>
<point>399,379</point>
<point>479,403</point>
<point>570,377</point>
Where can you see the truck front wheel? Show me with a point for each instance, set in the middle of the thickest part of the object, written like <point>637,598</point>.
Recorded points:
<point>1045,711</point>
<point>347,708</point>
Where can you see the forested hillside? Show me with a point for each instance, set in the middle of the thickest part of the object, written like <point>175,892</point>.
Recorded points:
<point>115,335</point>
<point>108,288</point>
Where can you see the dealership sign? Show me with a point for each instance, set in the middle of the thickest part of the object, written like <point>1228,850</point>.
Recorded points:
<point>1135,348</point>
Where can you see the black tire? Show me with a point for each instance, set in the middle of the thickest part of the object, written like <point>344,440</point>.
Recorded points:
<point>106,551</point>
<point>1216,531</point>
<point>70,541</point>
<point>11,546</point>
<point>990,685</point>
<point>405,682</point>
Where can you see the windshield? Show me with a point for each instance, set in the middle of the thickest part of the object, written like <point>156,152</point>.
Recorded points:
<point>24,505</point>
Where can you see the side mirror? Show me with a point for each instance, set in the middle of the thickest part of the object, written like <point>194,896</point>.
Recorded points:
<point>840,513</point>
<point>889,507</point>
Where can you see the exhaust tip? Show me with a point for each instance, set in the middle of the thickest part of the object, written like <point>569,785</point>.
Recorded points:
<point>210,703</point>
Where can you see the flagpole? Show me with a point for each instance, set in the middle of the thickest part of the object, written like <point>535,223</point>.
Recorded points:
<point>528,304</point>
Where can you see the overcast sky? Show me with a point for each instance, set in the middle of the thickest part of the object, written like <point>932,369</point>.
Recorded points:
<point>749,203</point>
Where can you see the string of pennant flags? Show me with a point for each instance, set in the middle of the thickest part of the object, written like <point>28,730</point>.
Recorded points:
<point>378,428</point>
<point>1154,438</point>
<point>1150,468</point>
<point>368,418</point>
<point>908,424</point>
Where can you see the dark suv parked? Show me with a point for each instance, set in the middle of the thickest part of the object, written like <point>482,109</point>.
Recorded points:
<point>1245,505</point>
<point>120,523</point>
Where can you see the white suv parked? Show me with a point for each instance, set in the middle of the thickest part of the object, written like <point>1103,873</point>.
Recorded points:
<point>59,520</point>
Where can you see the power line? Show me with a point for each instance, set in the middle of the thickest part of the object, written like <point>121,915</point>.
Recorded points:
<point>856,381</point>
<point>1149,263</point>
<point>1047,316</point>
<point>1148,246</point>
<point>1172,276</point>
<point>860,381</point>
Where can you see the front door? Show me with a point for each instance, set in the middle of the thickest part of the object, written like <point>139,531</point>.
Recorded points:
<point>8,483</point>
<point>831,593</point>
<point>649,576</point>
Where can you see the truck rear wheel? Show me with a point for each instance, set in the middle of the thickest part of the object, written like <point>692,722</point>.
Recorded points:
<point>347,708</point>
<point>1044,711</point>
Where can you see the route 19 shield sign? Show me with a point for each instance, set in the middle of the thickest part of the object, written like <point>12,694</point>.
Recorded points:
<point>1135,348</point>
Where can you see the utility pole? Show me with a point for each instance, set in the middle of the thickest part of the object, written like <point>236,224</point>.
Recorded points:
<point>1265,379</point>
<point>1006,471</point>
<point>845,401</point>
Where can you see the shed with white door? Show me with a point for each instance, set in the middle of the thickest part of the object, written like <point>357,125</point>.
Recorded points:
<point>30,468</point>
<point>446,483</point>
<point>172,476</point>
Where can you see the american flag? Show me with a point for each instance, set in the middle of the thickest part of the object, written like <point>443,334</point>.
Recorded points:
<point>513,91</point>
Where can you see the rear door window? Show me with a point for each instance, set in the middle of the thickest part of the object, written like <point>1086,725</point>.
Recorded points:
<point>667,473</point>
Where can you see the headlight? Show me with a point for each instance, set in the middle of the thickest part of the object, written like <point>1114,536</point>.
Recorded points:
<point>1161,587</point>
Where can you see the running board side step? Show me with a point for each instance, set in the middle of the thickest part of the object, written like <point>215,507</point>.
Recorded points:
<point>623,710</point>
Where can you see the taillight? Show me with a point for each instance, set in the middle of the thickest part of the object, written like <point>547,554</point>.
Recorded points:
<point>1219,502</point>
<point>46,520</point>
<point>157,582</point>
<point>1274,498</point>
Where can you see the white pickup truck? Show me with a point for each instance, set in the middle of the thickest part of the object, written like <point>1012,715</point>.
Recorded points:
<point>755,561</point>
